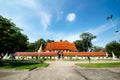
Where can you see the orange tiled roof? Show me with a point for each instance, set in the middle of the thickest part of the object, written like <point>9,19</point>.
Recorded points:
<point>61,46</point>
<point>64,54</point>
<point>48,54</point>
<point>26,54</point>
<point>84,54</point>
<point>35,54</point>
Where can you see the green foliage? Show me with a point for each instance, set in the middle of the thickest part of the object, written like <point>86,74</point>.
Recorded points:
<point>11,38</point>
<point>31,47</point>
<point>86,39</point>
<point>40,42</point>
<point>100,65</point>
<point>97,49</point>
<point>48,41</point>
<point>23,66</point>
<point>113,47</point>
<point>36,45</point>
<point>85,44</point>
<point>79,45</point>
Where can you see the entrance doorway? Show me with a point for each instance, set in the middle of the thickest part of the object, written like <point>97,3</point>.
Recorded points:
<point>59,54</point>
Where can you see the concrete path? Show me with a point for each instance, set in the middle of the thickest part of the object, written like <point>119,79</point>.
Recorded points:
<point>59,70</point>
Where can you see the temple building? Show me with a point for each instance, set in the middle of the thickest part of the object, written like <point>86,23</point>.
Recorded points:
<point>59,50</point>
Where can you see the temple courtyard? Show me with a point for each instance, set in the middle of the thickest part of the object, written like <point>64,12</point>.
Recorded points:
<point>62,70</point>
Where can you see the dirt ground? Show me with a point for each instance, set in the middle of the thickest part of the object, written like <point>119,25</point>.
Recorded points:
<point>60,70</point>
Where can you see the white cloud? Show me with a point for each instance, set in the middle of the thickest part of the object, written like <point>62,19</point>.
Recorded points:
<point>43,14</point>
<point>71,17</point>
<point>69,37</point>
<point>102,41</point>
<point>103,28</point>
<point>72,37</point>
<point>26,3</point>
<point>45,19</point>
<point>100,29</point>
<point>22,17</point>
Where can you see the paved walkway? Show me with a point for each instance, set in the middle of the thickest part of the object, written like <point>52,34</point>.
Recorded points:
<point>59,70</point>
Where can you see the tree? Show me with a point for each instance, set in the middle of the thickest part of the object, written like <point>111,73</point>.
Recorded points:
<point>86,39</point>
<point>11,38</point>
<point>79,45</point>
<point>113,47</point>
<point>61,40</point>
<point>48,41</point>
<point>40,42</point>
<point>66,41</point>
<point>36,45</point>
<point>97,48</point>
<point>31,47</point>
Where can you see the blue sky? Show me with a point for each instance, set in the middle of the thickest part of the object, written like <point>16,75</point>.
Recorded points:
<point>64,19</point>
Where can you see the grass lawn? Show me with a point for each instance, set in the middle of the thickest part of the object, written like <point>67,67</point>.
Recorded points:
<point>22,66</point>
<point>99,65</point>
<point>86,60</point>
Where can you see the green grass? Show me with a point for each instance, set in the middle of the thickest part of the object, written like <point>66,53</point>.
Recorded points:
<point>99,65</point>
<point>22,66</point>
<point>86,60</point>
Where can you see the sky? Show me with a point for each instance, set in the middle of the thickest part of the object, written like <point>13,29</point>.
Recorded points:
<point>64,19</point>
